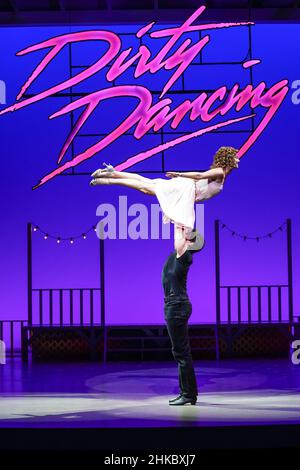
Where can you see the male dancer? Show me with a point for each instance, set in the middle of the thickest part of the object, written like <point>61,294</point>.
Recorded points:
<point>178,309</point>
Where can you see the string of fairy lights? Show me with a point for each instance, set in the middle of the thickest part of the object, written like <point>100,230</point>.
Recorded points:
<point>83,235</point>
<point>245,237</point>
<point>59,239</point>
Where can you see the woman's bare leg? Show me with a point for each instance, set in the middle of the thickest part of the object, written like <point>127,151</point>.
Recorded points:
<point>131,176</point>
<point>119,174</point>
<point>146,185</point>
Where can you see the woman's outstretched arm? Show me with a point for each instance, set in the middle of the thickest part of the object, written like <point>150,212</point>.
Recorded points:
<point>213,174</point>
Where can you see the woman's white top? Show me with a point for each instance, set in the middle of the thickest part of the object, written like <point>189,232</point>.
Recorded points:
<point>206,190</point>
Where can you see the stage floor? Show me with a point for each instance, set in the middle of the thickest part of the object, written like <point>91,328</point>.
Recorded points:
<point>122,395</point>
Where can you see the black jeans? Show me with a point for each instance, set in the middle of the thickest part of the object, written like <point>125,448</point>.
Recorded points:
<point>177,313</point>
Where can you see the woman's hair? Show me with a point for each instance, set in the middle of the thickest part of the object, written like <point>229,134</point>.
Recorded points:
<point>224,158</point>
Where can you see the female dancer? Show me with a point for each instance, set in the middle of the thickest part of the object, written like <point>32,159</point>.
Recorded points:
<point>177,195</point>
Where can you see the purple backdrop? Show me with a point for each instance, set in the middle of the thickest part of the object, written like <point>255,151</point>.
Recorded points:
<point>256,199</point>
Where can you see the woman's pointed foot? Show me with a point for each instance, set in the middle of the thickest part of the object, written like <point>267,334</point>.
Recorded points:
<point>108,170</point>
<point>97,181</point>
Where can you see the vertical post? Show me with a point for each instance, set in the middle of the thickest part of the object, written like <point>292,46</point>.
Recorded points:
<point>239,304</point>
<point>71,307</point>
<point>290,267</point>
<point>29,272</point>
<point>12,344</point>
<point>24,343</point>
<point>51,306</point>
<point>92,307</point>
<point>102,296</point>
<point>41,306</point>
<point>269,305</point>
<point>81,307</point>
<point>259,303</point>
<point>217,267</point>
<point>61,307</point>
<point>249,304</point>
<point>229,305</point>
<point>251,68</point>
<point>279,302</point>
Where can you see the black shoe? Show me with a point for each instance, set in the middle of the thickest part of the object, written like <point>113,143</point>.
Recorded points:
<point>181,400</point>
<point>175,399</point>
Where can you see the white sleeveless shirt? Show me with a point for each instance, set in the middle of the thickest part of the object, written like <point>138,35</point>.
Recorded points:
<point>205,190</point>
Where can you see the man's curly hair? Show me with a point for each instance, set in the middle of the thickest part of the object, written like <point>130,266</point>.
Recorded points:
<point>225,158</point>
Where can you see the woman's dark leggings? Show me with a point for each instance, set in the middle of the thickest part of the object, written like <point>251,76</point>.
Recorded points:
<point>177,314</point>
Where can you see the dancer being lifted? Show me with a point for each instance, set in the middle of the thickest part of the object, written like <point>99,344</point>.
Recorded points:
<point>177,195</point>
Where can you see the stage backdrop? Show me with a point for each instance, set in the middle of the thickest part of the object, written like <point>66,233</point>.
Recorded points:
<point>256,199</point>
